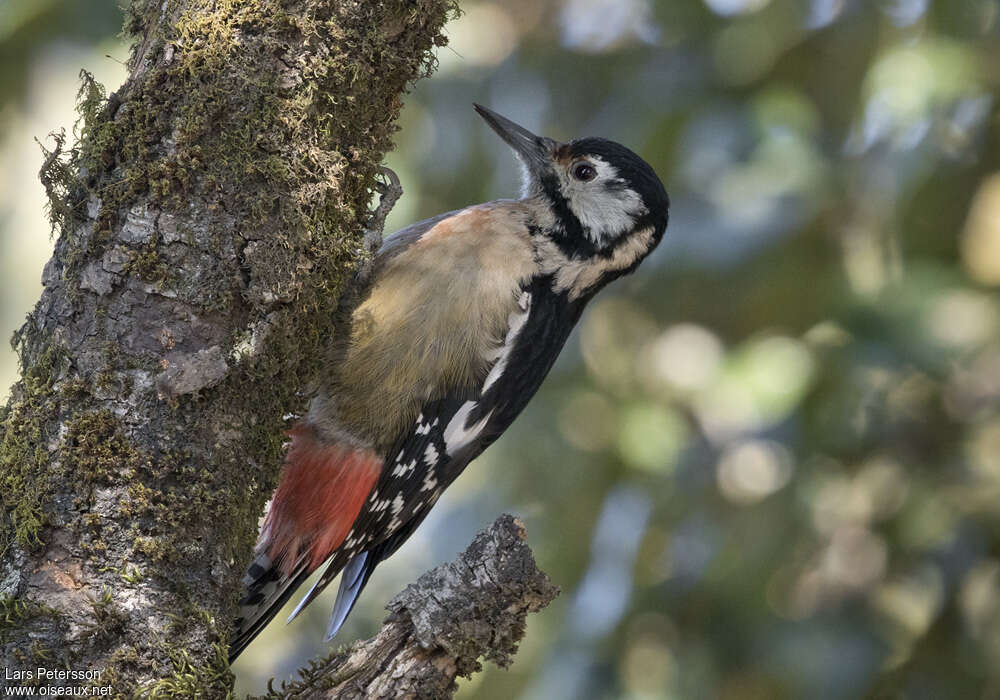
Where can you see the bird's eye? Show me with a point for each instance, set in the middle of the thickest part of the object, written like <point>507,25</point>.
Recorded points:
<point>584,171</point>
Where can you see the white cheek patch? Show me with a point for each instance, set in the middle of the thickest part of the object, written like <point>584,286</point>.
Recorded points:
<point>604,213</point>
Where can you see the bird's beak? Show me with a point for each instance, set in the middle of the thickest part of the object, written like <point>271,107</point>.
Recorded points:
<point>535,151</point>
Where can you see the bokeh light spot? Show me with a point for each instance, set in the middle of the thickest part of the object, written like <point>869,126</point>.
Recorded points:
<point>599,25</point>
<point>736,7</point>
<point>981,237</point>
<point>962,318</point>
<point>855,558</point>
<point>743,52</point>
<point>588,421</point>
<point>751,471</point>
<point>685,356</point>
<point>651,437</point>
<point>483,36</point>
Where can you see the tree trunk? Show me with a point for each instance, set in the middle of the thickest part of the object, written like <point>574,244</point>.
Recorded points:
<point>209,216</point>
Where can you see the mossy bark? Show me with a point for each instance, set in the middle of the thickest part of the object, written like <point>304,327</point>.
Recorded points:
<point>208,217</point>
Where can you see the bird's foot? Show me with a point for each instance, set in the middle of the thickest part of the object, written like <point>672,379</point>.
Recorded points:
<point>389,191</point>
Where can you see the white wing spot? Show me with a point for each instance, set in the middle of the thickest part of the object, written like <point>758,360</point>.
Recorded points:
<point>404,469</point>
<point>429,481</point>
<point>397,504</point>
<point>431,455</point>
<point>457,435</point>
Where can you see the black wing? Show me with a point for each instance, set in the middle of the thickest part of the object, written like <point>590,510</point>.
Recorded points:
<point>449,433</point>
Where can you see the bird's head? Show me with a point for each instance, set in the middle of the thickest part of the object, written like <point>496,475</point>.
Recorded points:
<point>602,194</point>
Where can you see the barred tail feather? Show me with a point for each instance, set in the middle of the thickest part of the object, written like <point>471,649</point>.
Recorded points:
<point>268,589</point>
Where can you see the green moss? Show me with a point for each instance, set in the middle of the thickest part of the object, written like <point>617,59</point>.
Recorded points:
<point>16,613</point>
<point>166,497</point>
<point>107,619</point>
<point>95,450</point>
<point>155,548</point>
<point>58,179</point>
<point>209,680</point>
<point>25,469</point>
<point>147,264</point>
<point>129,573</point>
<point>314,677</point>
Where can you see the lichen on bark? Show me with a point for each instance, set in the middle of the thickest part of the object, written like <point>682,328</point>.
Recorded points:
<point>208,215</point>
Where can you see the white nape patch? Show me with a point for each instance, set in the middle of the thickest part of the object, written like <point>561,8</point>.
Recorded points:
<point>604,213</point>
<point>457,435</point>
<point>515,322</point>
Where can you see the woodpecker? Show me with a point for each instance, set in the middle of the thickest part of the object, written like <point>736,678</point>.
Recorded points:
<point>463,317</point>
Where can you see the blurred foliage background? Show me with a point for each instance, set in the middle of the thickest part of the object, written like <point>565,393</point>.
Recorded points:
<point>768,464</point>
